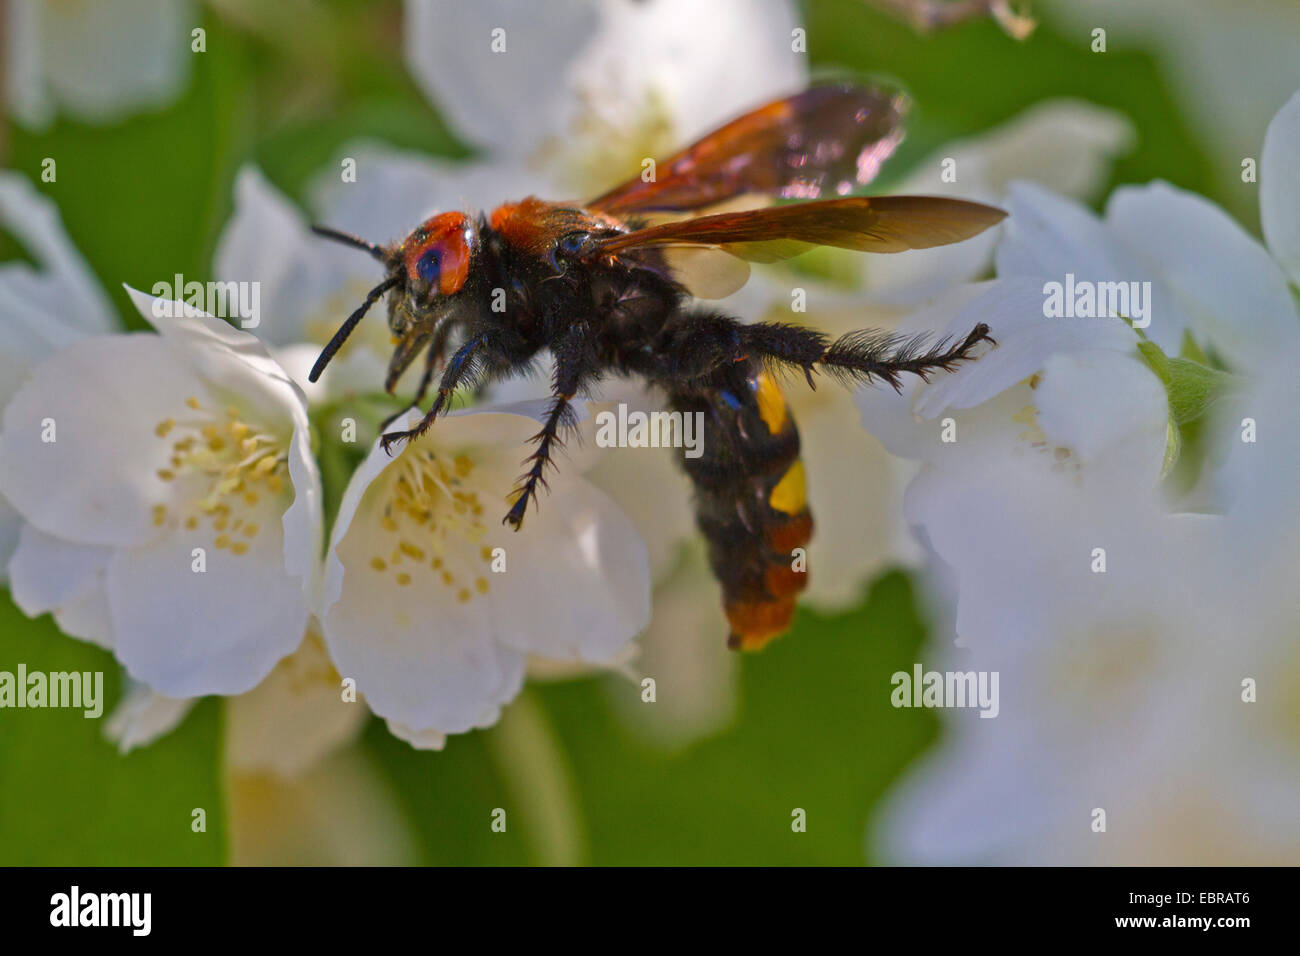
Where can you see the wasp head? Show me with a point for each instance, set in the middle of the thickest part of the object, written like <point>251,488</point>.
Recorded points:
<point>427,271</point>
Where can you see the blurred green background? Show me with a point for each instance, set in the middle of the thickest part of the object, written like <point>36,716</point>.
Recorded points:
<point>286,88</point>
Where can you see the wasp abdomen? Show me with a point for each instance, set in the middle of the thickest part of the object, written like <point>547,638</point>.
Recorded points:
<point>751,504</point>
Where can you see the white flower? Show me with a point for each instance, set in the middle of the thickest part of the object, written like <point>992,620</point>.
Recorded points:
<point>1145,238</point>
<point>171,500</point>
<point>1125,690</point>
<point>45,308</point>
<point>96,61</point>
<point>432,605</point>
<point>1059,444</point>
<point>592,88</point>
<point>295,715</point>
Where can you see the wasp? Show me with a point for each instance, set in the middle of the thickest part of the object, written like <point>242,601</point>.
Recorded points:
<point>612,287</point>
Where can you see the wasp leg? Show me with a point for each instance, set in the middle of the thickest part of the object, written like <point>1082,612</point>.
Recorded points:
<point>864,356</point>
<point>434,359</point>
<point>574,370</point>
<point>456,369</point>
<point>695,344</point>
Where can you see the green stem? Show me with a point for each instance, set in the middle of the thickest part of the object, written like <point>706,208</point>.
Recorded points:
<point>532,760</point>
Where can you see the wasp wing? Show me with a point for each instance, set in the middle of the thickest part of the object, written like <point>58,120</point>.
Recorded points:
<point>864,223</point>
<point>825,141</point>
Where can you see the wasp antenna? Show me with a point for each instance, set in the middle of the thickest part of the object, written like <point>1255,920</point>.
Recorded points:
<point>346,328</point>
<point>348,239</point>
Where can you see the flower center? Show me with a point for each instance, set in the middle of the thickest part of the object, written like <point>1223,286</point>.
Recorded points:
<point>432,524</point>
<point>228,472</point>
<point>1034,436</point>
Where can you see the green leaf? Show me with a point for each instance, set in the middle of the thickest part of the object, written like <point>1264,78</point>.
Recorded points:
<point>1191,386</point>
<point>1173,448</point>
<point>68,798</point>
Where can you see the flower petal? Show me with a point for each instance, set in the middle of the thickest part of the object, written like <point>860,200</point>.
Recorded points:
<point>267,241</point>
<point>419,739</point>
<point>142,716</point>
<point>1101,403</point>
<point>1013,309</point>
<point>98,61</point>
<point>225,356</point>
<point>219,631</point>
<point>449,51</point>
<point>577,542</point>
<point>1232,291</point>
<point>648,484</point>
<point>47,572</point>
<point>1279,194</point>
<point>49,307</point>
<point>423,665</point>
<point>103,397</point>
<point>684,650</point>
<point>87,618</point>
<point>294,717</point>
<point>11,526</point>
<point>1052,238</point>
<point>702,65</point>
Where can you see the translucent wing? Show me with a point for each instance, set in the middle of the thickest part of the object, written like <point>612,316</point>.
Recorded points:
<point>865,223</point>
<point>825,141</point>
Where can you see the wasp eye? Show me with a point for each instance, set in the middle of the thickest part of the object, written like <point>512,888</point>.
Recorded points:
<point>429,266</point>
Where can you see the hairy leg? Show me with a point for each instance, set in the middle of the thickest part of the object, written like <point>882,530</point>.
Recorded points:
<point>433,360</point>
<point>864,356</point>
<point>694,345</point>
<point>575,368</point>
<point>462,364</point>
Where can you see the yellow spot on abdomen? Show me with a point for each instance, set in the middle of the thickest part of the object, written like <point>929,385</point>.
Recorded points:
<point>771,404</point>
<point>791,493</point>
